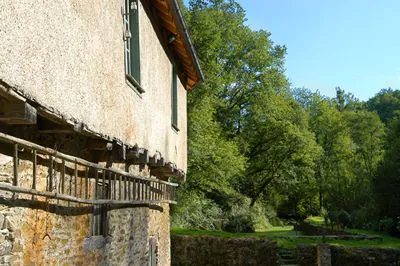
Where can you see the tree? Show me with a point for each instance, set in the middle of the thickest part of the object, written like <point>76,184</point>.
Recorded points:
<point>388,180</point>
<point>386,103</point>
<point>278,144</point>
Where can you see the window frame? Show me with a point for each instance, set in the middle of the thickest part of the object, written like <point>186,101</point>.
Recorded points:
<point>174,99</point>
<point>132,45</point>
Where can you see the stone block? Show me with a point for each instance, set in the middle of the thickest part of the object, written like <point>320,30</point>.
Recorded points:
<point>5,248</point>
<point>6,260</point>
<point>4,232</point>
<point>1,220</point>
<point>11,223</point>
<point>17,247</point>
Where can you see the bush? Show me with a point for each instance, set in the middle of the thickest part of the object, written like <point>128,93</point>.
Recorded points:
<point>262,215</point>
<point>331,218</point>
<point>239,223</point>
<point>240,219</point>
<point>398,225</point>
<point>307,207</point>
<point>344,219</point>
<point>364,216</point>
<point>196,211</point>
<point>386,225</point>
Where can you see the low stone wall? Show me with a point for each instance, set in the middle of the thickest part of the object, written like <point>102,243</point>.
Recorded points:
<point>309,229</point>
<point>206,250</point>
<point>307,255</point>
<point>361,256</point>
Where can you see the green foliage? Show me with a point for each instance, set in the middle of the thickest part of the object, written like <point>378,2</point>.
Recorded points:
<point>308,206</point>
<point>344,219</point>
<point>196,211</point>
<point>287,238</point>
<point>387,183</point>
<point>240,220</point>
<point>386,225</point>
<point>254,144</point>
<point>386,103</point>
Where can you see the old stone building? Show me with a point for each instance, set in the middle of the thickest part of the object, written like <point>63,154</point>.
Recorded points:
<point>92,129</point>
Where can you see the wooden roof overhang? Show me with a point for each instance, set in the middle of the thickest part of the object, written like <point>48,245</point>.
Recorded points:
<point>173,34</point>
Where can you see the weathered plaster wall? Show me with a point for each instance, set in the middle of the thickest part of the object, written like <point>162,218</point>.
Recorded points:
<point>52,232</point>
<point>69,55</point>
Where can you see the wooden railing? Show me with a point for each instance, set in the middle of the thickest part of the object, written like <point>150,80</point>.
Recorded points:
<point>73,179</point>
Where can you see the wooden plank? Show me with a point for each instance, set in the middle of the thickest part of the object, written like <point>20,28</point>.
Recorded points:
<point>115,186</point>
<point>48,151</point>
<point>50,180</point>
<point>34,166</point>
<point>132,154</point>
<point>161,6</point>
<point>96,144</point>
<point>144,157</point>
<point>55,195</point>
<point>15,166</point>
<point>18,114</point>
<point>96,184</point>
<point>161,162</point>
<point>134,189</point>
<point>62,176</point>
<point>104,184</point>
<point>153,160</point>
<point>87,183</point>
<point>76,179</point>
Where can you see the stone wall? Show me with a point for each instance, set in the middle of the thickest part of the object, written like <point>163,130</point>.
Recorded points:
<point>206,250</point>
<point>309,229</point>
<point>307,255</point>
<point>364,256</point>
<point>39,231</point>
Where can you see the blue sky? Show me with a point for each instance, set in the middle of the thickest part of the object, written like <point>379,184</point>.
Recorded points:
<point>354,44</point>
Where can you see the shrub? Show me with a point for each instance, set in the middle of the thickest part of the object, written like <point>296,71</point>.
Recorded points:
<point>196,211</point>
<point>365,216</point>
<point>240,219</point>
<point>344,219</point>
<point>398,224</point>
<point>386,225</point>
<point>239,223</point>
<point>331,218</point>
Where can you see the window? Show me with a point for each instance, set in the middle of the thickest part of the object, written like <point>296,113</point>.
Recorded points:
<point>131,39</point>
<point>174,99</point>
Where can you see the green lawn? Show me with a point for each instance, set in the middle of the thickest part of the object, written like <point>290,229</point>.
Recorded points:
<point>316,220</point>
<point>287,237</point>
<point>278,231</point>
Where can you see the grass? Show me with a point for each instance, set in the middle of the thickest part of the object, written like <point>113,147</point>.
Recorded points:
<point>316,220</point>
<point>286,237</point>
<point>278,231</point>
<point>386,242</point>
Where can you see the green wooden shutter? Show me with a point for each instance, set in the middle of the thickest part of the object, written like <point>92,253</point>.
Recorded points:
<point>135,47</point>
<point>174,100</point>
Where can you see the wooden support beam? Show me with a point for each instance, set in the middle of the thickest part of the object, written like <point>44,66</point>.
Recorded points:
<point>132,154</point>
<point>144,157</point>
<point>46,126</point>
<point>96,144</point>
<point>153,160</point>
<point>160,162</point>
<point>18,114</point>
